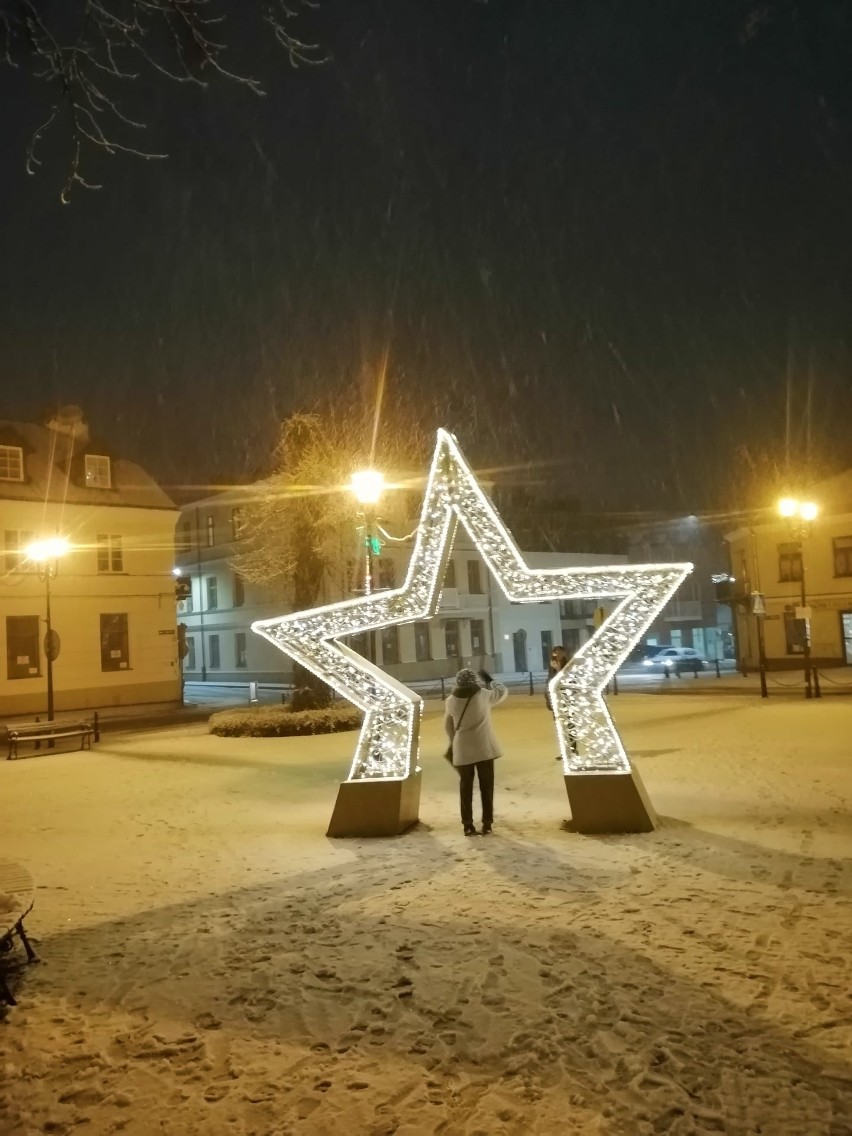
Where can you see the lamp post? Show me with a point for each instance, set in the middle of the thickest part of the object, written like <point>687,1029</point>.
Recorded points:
<point>367,486</point>
<point>47,554</point>
<point>800,516</point>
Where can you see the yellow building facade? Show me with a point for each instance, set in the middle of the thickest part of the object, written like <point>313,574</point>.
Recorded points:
<point>787,572</point>
<point>111,594</point>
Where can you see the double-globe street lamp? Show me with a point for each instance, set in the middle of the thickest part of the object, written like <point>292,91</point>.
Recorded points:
<point>800,516</point>
<point>46,554</point>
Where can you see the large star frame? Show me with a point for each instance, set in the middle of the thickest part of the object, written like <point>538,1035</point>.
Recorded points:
<point>388,746</point>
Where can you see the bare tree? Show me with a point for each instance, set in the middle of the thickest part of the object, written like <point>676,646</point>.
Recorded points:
<point>302,535</point>
<point>86,51</point>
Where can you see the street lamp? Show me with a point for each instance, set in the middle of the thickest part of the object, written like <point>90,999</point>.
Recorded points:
<point>800,516</point>
<point>46,554</point>
<point>367,486</point>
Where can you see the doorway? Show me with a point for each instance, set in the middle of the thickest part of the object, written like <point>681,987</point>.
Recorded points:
<point>519,642</point>
<point>846,632</point>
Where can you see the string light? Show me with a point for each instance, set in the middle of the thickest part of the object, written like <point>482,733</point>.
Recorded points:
<point>388,745</point>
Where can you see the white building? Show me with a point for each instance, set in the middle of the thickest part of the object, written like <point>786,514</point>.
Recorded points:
<point>112,598</point>
<point>475,625</point>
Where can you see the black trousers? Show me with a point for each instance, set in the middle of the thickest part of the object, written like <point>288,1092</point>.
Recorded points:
<point>484,770</point>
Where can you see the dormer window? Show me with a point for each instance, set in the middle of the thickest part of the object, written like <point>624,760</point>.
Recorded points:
<point>11,463</point>
<point>98,475</point>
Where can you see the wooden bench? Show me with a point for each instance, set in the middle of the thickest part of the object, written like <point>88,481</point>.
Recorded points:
<point>50,732</point>
<point>17,895</point>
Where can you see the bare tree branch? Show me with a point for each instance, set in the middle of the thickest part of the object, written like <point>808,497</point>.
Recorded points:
<point>85,50</point>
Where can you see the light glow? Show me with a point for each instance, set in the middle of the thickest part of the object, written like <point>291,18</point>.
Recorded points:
<point>388,746</point>
<point>51,548</point>
<point>368,486</point>
<point>808,511</point>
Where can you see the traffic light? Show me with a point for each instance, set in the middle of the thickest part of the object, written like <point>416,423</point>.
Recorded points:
<point>183,588</point>
<point>183,646</point>
<point>374,544</point>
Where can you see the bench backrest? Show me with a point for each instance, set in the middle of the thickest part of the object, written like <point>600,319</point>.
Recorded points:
<point>21,728</point>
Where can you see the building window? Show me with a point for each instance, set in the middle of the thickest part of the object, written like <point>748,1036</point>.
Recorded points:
<point>22,649</point>
<point>360,643</point>
<point>215,658</point>
<point>354,576</point>
<point>240,649</point>
<point>211,531</point>
<point>390,645</point>
<point>11,463</point>
<point>576,609</point>
<point>185,542</point>
<point>15,557</point>
<point>115,643</point>
<point>239,590</point>
<point>474,578</point>
<point>212,593</point>
<point>789,562</point>
<point>546,648</point>
<point>450,574</point>
<point>189,663</point>
<point>98,474</point>
<point>477,637</point>
<point>237,522</point>
<point>843,556</point>
<point>571,640</point>
<point>795,631</point>
<point>452,643</point>
<point>386,573</point>
<point>422,643</point>
<point>110,554</point>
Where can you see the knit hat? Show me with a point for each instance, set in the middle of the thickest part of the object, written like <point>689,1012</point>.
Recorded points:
<point>466,677</point>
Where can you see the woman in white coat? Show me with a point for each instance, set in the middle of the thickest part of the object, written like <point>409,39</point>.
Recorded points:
<point>474,746</point>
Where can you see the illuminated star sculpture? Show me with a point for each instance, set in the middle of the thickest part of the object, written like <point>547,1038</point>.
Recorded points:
<point>388,746</point>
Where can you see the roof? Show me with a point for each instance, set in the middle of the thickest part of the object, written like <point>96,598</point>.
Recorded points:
<point>54,470</point>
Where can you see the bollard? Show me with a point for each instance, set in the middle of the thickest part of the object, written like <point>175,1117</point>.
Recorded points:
<point>695,673</point>
<point>38,742</point>
<point>615,684</point>
<point>96,727</point>
<point>532,691</point>
<point>443,689</point>
<point>718,672</point>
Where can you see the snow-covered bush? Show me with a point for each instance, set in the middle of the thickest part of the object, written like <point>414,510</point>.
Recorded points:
<point>281,722</point>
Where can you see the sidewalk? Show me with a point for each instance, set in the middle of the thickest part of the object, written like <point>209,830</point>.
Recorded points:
<point>201,703</point>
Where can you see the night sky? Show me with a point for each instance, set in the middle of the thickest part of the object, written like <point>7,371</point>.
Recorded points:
<point>591,234</point>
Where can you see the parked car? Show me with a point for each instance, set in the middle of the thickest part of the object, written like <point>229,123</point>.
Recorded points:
<point>676,659</point>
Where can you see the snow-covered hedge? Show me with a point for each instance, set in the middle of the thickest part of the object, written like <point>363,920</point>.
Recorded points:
<point>279,722</point>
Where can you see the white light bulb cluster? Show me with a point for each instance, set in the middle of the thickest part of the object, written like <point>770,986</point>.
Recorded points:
<point>389,740</point>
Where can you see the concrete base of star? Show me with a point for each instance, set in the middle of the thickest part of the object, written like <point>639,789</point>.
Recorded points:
<point>376,808</point>
<point>609,802</point>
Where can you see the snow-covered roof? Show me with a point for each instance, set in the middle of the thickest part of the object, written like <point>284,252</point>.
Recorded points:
<point>54,466</point>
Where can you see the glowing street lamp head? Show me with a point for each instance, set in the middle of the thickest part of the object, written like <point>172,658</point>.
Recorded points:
<point>51,548</point>
<point>368,486</point>
<point>788,507</point>
<point>808,511</point>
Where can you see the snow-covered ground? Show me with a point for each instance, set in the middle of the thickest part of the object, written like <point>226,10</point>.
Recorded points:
<point>213,964</point>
